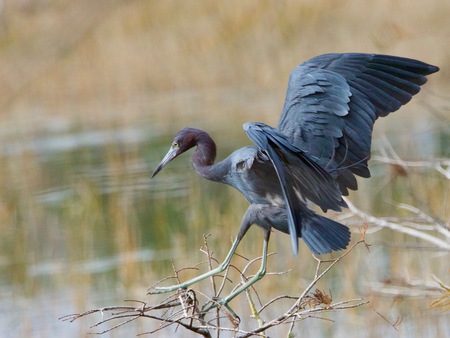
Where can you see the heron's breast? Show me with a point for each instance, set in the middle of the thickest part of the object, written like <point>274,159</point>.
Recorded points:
<point>271,216</point>
<point>275,200</point>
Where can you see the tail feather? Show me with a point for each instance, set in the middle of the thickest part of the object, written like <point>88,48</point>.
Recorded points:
<point>323,235</point>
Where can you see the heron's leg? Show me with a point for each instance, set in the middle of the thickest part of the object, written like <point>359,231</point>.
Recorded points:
<point>245,225</point>
<point>260,274</point>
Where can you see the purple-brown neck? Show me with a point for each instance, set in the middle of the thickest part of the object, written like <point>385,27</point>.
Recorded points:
<point>205,154</point>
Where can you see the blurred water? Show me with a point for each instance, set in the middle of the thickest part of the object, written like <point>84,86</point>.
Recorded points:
<point>48,145</point>
<point>88,226</point>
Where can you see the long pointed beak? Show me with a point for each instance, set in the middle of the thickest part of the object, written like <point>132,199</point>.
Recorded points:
<point>171,154</point>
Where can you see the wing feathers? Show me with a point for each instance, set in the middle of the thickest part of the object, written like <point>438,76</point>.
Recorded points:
<point>324,135</point>
<point>298,174</point>
<point>346,93</point>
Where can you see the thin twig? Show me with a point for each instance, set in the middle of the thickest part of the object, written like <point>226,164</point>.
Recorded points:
<point>398,227</point>
<point>181,308</point>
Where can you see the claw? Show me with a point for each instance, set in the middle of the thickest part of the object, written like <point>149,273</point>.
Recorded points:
<point>219,269</point>
<point>217,302</point>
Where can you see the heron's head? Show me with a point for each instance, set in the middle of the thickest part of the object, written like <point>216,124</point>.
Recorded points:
<point>183,141</point>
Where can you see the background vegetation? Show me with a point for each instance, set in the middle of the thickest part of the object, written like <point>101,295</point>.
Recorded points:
<point>91,93</point>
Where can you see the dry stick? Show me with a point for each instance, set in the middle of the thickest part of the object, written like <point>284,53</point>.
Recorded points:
<point>212,279</point>
<point>394,325</point>
<point>202,330</point>
<point>73,317</point>
<point>292,311</point>
<point>397,227</point>
<point>318,266</point>
<point>141,313</point>
<point>131,313</point>
<point>225,277</point>
<point>209,255</point>
<point>245,279</point>
<point>128,314</point>
<point>436,224</point>
<point>333,263</point>
<point>273,300</point>
<point>437,165</point>
<point>175,276</point>
<point>255,313</point>
<point>441,166</point>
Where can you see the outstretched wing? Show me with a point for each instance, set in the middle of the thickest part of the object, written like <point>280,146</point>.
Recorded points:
<point>300,177</point>
<point>333,100</point>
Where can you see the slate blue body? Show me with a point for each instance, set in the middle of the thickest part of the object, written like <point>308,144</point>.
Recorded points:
<point>321,143</point>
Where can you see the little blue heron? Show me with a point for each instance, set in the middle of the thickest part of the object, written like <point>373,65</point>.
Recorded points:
<point>322,141</point>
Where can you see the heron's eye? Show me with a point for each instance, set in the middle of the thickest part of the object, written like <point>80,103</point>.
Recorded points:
<point>175,144</point>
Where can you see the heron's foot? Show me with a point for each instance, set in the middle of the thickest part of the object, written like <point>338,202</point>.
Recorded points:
<point>218,302</point>
<point>183,286</point>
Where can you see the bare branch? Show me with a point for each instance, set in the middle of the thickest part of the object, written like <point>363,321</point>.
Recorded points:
<point>185,308</point>
<point>398,227</point>
<point>295,313</point>
<point>442,166</point>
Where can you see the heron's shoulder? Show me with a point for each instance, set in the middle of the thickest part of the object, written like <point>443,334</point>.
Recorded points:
<point>245,158</point>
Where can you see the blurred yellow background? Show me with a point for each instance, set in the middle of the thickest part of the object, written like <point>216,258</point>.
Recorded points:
<point>90,95</point>
<point>89,61</point>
